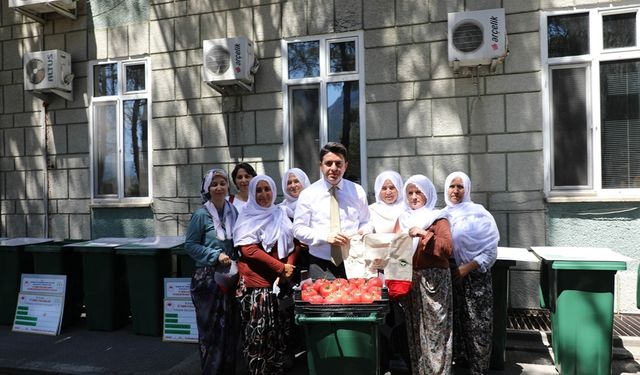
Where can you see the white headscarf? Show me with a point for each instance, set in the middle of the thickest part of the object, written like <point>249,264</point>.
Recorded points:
<point>290,202</point>
<point>383,215</point>
<point>229,215</point>
<point>473,229</point>
<point>267,226</point>
<point>424,216</point>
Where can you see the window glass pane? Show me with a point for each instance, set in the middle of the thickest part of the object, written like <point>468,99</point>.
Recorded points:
<point>135,77</point>
<point>619,30</point>
<point>342,57</point>
<point>305,127</point>
<point>105,149</point>
<point>568,35</point>
<point>343,119</point>
<point>304,59</point>
<point>135,148</point>
<point>570,151</point>
<point>620,134</point>
<point>105,80</point>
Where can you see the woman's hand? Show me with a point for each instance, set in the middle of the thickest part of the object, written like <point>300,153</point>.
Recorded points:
<point>415,232</point>
<point>288,270</point>
<point>224,259</point>
<point>464,269</point>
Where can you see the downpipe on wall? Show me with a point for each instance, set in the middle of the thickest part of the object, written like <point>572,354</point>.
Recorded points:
<point>45,169</point>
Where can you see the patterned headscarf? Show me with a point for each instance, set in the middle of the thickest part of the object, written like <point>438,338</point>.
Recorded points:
<point>229,215</point>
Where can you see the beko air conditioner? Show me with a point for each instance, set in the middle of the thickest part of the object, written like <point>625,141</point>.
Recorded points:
<point>48,72</point>
<point>36,8</point>
<point>477,38</point>
<point>229,63</point>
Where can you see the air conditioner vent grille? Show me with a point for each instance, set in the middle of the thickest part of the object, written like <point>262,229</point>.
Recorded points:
<point>218,60</point>
<point>35,70</point>
<point>467,37</point>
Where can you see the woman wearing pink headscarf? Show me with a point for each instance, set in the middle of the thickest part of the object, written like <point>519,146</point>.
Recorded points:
<point>475,242</point>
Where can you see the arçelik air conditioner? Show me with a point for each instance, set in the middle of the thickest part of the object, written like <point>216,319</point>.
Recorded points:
<point>43,6</point>
<point>48,71</point>
<point>229,62</point>
<point>477,38</point>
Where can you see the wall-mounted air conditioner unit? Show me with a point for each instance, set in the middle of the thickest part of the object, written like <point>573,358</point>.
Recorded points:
<point>477,38</point>
<point>36,8</point>
<point>48,72</point>
<point>229,63</point>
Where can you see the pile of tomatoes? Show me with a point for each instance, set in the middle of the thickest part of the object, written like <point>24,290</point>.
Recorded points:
<point>342,291</point>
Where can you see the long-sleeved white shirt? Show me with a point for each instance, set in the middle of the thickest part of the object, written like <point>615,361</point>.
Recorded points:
<point>311,223</point>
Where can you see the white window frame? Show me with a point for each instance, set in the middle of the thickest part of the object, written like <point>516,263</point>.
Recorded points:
<point>592,63</point>
<point>119,99</point>
<point>322,80</point>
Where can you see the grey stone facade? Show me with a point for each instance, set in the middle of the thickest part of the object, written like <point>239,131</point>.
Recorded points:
<point>420,116</point>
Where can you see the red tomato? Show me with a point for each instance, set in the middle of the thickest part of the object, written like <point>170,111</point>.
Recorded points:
<point>340,282</point>
<point>367,298</point>
<point>376,281</point>
<point>307,293</point>
<point>373,289</point>
<point>316,299</point>
<point>327,289</point>
<point>332,299</point>
<point>317,285</point>
<point>358,281</point>
<point>350,298</point>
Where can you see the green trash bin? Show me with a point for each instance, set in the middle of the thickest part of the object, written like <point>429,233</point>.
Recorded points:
<point>580,289</point>
<point>506,258</point>
<point>342,339</point>
<point>14,261</point>
<point>56,259</point>
<point>186,265</point>
<point>104,282</point>
<point>148,263</point>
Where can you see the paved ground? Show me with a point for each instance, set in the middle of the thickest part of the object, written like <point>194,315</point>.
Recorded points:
<point>79,351</point>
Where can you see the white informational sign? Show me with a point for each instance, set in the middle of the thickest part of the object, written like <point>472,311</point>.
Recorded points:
<point>40,304</point>
<point>177,288</point>
<point>179,313</point>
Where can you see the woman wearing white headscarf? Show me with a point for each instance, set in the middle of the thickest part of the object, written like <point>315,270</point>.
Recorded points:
<point>389,202</point>
<point>265,237</point>
<point>428,307</point>
<point>209,241</point>
<point>294,180</point>
<point>475,242</point>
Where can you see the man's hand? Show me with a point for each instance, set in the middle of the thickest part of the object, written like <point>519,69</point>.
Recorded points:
<point>339,238</point>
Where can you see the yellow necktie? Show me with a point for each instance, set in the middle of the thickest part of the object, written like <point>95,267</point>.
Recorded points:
<point>336,250</point>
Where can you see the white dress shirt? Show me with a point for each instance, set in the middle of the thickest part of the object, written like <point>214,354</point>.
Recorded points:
<point>311,223</point>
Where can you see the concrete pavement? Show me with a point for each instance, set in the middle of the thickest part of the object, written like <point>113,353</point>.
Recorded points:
<point>80,351</point>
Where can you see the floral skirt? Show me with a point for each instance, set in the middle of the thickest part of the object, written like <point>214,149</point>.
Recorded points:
<point>473,321</point>
<point>428,311</point>
<point>263,331</point>
<point>218,319</point>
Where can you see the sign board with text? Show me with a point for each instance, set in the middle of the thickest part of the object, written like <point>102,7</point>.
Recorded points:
<point>40,304</point>
<point>179,322</point>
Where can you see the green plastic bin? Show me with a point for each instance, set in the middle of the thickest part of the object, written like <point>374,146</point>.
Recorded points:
<point>56,259</point>
<point>500,272</point>
<point>148,263</point>
<point>104,282</point>
<point>340,345</point>
<point>14,261</point>
<point>186,265</point>
<point>579,288</point>
<point>500,284</point>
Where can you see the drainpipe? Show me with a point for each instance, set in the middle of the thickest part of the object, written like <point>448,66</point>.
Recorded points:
<point>45,170</point>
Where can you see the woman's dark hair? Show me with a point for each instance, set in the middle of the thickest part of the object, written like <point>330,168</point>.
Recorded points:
<point>246,166</point>
<point>334,147</point>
